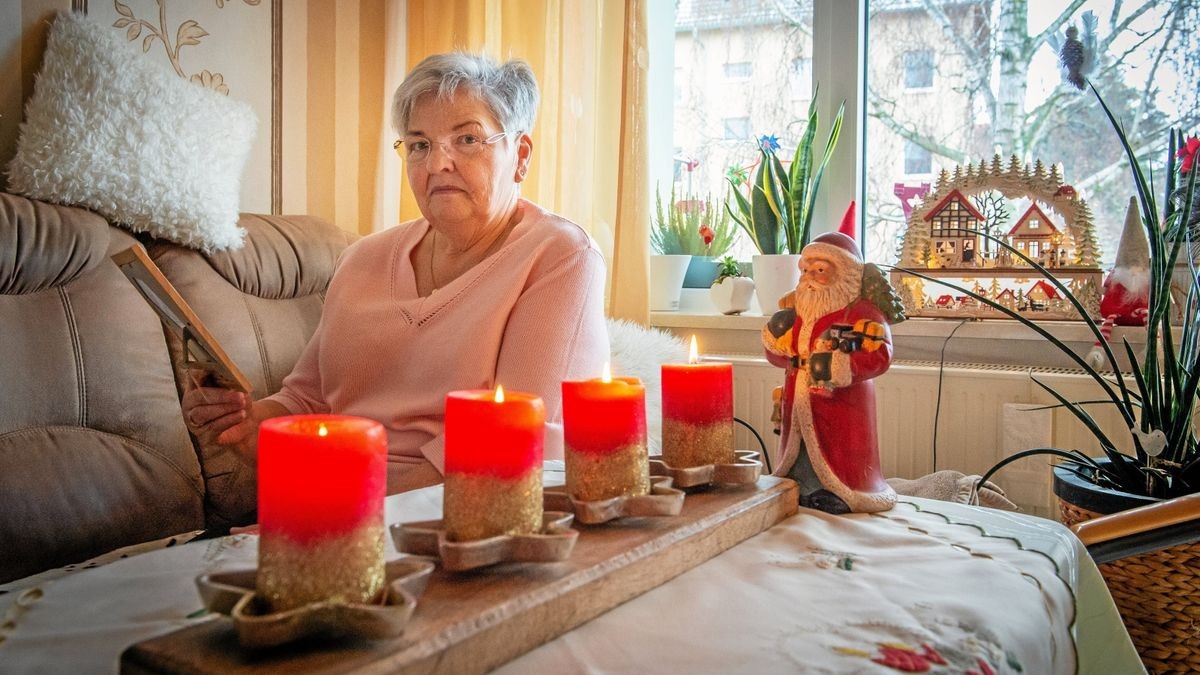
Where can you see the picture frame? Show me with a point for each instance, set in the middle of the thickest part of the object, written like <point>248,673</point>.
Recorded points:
<point>200,349</point>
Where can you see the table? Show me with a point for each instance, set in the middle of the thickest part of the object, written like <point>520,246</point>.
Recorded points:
<point>816,593</point>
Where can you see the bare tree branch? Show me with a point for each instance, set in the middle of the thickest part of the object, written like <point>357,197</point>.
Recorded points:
<point>1063,17</point>
<point>876,110</point>
<point>792,18</point>
<point>948,29</point>
<point>1120,28</point>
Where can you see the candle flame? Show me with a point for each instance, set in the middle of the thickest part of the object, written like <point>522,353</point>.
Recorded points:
<point>499,394</point>
<point>694,353</point>
<point>321,430</point>
<point>606,376</point>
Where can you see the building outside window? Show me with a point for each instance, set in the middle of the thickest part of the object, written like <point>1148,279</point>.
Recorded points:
<point>917,160</point>
<point>800,81</point>
<point>918,69</point>
<point>741,70</point>
<point>736,128</point>
<point>995,92</point>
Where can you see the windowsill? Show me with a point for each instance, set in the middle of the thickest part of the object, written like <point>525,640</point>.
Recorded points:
<point>994,341</point>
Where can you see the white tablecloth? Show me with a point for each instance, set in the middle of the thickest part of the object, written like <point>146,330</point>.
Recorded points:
<point>816,593</point>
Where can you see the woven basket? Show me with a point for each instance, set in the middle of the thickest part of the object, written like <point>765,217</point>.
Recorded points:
<point>1158,596</point>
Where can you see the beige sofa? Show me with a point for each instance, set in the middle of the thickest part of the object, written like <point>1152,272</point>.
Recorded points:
<point>94,453</point>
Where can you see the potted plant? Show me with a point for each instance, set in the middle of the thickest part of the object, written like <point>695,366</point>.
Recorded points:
<point>1158,406</point>
<point>694,227</point>
<point>732,290</point>
<point>777,214</point>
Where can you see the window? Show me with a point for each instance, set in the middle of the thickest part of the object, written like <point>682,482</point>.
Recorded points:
<point>736,128</point>
<point>918,160</point>
<point>800,79</point>
<point>1033,223</point>
<point>1054,123</point>
<point>748,71</point>
<point>918,69</point>
<point>740,70</point>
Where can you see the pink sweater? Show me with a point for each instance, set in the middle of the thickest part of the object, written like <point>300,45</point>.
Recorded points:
<point>528,317</point>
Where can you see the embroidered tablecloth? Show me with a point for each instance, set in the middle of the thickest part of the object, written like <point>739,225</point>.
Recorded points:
<point>929,585</point>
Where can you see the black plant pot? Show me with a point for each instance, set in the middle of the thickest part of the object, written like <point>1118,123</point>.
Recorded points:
<point>1085,494</point>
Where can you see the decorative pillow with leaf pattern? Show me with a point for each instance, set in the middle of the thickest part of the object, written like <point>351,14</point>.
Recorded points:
<point>109,130</point>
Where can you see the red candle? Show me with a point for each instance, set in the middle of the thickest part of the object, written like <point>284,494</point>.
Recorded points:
<point>494,447</point>
<point>697,402</point>
<point>604,426</point>
<point>321,484</point>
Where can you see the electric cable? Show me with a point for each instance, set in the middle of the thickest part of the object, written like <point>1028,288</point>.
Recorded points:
<point>937,408</point>
<point>761,443</point>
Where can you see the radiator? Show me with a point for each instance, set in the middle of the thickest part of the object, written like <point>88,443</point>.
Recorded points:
<point>986,413</point>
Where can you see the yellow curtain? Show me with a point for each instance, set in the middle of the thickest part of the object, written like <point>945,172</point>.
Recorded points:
<point>589,162</point>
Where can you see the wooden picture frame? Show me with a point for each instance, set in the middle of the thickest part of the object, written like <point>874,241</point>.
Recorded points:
<point>200,349</point>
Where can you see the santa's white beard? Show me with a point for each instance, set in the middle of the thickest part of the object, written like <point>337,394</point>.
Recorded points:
<point>814,301</point>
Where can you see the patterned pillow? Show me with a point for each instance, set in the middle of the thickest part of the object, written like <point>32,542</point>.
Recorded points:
<point>108,130</point>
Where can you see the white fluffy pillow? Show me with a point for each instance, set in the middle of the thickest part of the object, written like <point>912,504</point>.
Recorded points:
<point>109,130</point>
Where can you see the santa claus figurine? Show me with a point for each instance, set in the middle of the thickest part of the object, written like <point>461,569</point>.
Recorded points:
<point>832,337</point>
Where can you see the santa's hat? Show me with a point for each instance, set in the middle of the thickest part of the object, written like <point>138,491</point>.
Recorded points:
<point>849,226</point>
<point>840,245</point>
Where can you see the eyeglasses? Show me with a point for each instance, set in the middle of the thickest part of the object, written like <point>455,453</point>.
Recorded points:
<point>462,146</point>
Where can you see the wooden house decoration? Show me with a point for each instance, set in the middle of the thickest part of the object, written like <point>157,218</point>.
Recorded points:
<point>954,226</point>
<point>1042,292</point>
<point>945,239</point>
<point>1036,236</point>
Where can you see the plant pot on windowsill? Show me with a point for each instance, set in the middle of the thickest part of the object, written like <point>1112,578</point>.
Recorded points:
<point>702,272</point>
<point>774,277</point>
<point>666,281</point>
<point>1157,593</point>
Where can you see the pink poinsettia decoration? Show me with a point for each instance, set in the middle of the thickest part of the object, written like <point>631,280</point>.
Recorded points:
<point>1188,153</point>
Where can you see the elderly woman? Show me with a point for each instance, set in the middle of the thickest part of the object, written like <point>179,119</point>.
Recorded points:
<point>485,288</point>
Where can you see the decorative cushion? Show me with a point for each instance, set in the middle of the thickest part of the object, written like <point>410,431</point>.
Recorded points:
<point>111,131</point>
<point>638,351</point>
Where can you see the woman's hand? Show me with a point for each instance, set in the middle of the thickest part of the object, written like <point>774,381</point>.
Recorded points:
<point>226,417</point>
<point>216,415</point>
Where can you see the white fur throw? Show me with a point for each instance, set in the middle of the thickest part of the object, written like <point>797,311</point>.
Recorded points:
<point>639,352</point>
<point>108,130</point>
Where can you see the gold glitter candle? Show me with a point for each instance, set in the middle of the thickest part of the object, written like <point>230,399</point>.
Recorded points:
<point>321,484</point>
<point>494,447</point>
<point>697,404</point>
<point>604,426</point>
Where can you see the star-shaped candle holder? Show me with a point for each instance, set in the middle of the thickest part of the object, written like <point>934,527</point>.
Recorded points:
<point>428,538</point>
<point>663,500</point>
<point>745,470</point>
<point>232,593</point>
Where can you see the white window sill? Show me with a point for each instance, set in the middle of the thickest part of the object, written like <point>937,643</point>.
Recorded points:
<point>998,341</point>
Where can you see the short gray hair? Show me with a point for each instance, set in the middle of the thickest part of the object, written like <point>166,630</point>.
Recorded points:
<point>509,89</point>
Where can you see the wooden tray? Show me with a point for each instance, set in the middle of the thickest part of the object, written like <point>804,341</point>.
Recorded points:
<point>473,622</point>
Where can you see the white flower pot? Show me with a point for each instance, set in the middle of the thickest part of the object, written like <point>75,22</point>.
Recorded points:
<point>774,276</point>
<point>731,295</point>
<point>666,281</point>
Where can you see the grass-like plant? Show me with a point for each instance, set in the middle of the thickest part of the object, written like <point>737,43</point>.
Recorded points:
<point>690,227</point>
<point>778,212</point>
<point>1159,408</point>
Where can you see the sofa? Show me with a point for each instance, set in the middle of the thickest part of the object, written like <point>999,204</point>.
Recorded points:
<point>94,452</point>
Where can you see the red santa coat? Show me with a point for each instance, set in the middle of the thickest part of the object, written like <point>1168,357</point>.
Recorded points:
<point>837,428</point>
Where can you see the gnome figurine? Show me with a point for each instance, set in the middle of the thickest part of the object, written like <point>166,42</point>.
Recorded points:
<point>1126,293</point>
<point>832,339</point>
